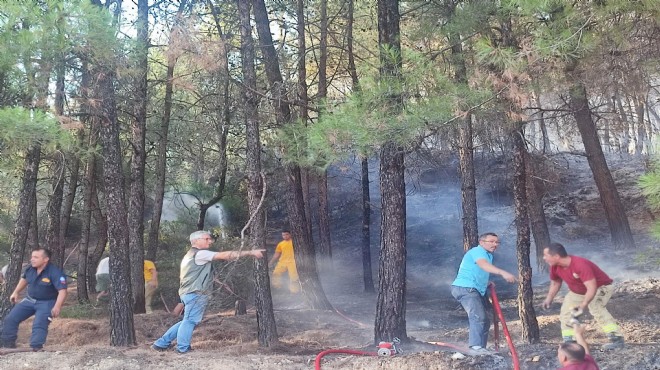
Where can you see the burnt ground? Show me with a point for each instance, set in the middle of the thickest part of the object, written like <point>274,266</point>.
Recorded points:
<point>224,341</point>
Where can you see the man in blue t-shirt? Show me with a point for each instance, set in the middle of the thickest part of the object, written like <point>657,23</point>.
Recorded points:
<point>469,287</point>
<point>46,293</point>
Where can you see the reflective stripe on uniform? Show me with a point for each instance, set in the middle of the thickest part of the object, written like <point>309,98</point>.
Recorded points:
<point>610,328</point>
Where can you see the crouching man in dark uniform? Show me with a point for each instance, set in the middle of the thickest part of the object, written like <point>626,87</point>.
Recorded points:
<point>46,285</point>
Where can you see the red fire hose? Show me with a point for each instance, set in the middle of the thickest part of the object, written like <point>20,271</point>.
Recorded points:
<point>498,311</point>
<point>317,362</point>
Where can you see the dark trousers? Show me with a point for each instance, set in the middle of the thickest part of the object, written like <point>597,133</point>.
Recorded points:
<point>21,312</point>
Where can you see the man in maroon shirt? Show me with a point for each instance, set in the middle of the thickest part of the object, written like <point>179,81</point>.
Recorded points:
<point>576,356</point>
<point>589,287</point>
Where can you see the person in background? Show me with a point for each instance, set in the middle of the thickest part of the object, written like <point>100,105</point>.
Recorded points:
<point>196,284</point>
<point>469,288</point>
<point>589,287</point>
<point>46,285</point>
<point>287,263</point>
<point>576,356</point>
<point>150,284</point>
<point>102,278</point>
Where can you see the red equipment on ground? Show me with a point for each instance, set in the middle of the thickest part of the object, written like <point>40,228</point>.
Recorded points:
<point>390,348</point>
<point>385,349</point>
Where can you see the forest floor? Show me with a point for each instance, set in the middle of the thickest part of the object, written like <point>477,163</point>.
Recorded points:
<point>225,341</point>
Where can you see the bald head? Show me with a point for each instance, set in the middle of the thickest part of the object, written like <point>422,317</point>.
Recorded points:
<point>570,352</point>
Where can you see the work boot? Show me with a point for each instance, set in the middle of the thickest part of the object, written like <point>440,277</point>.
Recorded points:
<point>616,342</point>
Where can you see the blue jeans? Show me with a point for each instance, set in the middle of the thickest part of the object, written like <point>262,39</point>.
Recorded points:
<point>195,305</point>
<point>474,304</point>
<point>21,312</point>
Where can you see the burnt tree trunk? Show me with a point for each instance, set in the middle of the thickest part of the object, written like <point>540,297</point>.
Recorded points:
<point>391,303</point>
<point>34,222</point>
<point>530,327</point>
<point>266,327</point>
<point>89,184</point>
<point>95,256</point>
<point>465,153</point>
<point>367,273</point>
<point>305,179</point>
<point>609,196</point>
<point>325,247</point>
<point>468,187</point>
<point>72,187</point>
<point>88,188</point>
<point>390,320</point>
<point>21,226</point>
<point>536,213</point>
<point>122,331</point>
<point>465,146</point>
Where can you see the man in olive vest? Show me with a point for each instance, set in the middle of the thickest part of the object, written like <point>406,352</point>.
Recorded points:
<point>196,285</point>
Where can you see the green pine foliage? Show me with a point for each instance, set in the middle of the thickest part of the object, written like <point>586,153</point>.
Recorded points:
<point>429,101</point>
<point>20,127</point>
<point>650,185</point>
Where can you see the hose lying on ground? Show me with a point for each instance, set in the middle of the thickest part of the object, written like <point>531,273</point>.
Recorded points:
<point>317,362</point>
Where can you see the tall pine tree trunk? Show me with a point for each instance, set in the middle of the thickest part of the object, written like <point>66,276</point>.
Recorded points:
<point>367,273</point>
<point>609,196</point>
<point>34,222</point>
<point>364,164</point>
<point>21,226</point>
<point>530,327</point>
<point>537,218</point>
<point>305,258</point>
<point>465,152</point>
<point>303,100</point>
<point>71,188</point>
<point>89,184</point>
<point>390,320</point>
<point>325,247</point>
<point>304,250</point>
<point>138,159</point>
<point>266,327</point>
<point>122,331</point>
<point>101,223</point>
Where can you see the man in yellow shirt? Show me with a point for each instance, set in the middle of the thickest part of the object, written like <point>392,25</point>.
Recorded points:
<point>150,284</point>
<point>286,263</point>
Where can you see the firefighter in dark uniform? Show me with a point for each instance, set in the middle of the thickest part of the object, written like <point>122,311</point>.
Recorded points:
<point>46,293</point>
